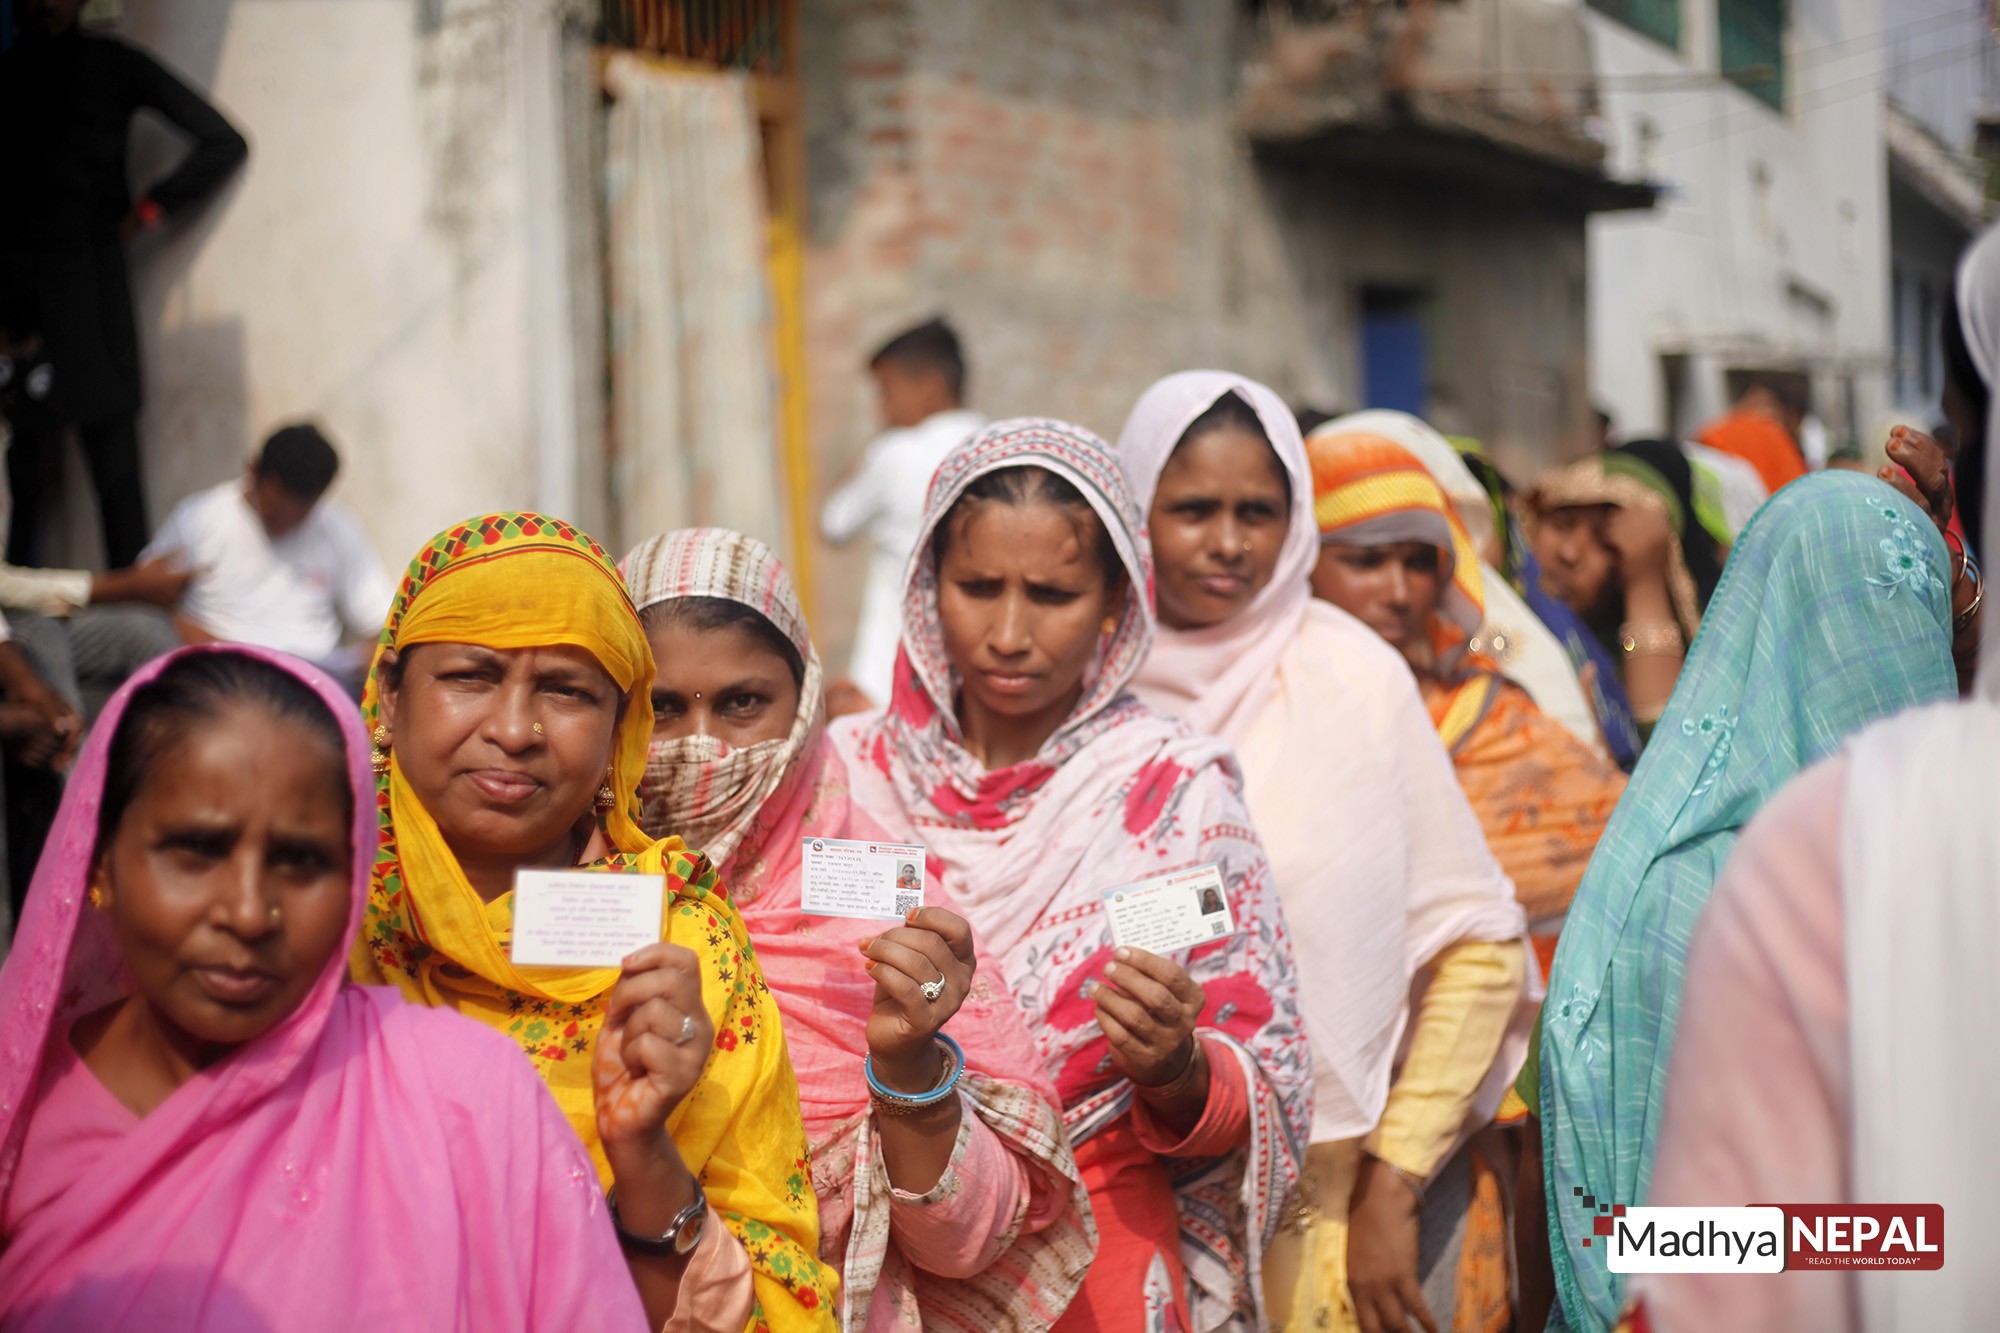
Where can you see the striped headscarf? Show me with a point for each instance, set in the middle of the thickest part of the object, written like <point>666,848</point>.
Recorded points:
<point>1368,491</point>
<point>709,793</point>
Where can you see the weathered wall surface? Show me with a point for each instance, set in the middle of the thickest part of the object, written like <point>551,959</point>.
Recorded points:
<point>374,265</point>
<point>1507,323</point>
<point>1063,181</point>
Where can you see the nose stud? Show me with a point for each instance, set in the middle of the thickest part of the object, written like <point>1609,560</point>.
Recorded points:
<point>538,728</point>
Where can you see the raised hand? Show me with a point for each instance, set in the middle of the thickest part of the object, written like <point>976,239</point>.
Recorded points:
<point>651,1049</point>
<point>932,946</point>
<point>1146,1007</point>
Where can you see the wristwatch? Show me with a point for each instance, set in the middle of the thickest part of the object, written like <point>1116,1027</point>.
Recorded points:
<point>680,1237</point>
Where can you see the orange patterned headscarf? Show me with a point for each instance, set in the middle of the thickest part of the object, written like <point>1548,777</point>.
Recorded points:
<point>1368,490</point>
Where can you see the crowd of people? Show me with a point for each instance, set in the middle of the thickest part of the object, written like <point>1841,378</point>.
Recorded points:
<point>1622,836</point>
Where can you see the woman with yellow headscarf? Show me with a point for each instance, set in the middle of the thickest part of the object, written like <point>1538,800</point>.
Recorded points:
<point>511,711</point>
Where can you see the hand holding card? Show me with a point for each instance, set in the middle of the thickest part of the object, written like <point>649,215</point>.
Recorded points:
<point>932,948</point>
<point>650,1053</point>
<point>1147,1007</point>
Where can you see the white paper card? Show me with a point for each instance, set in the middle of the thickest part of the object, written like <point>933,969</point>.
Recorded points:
<point>1171,912</point>
<point>878,880</point>
<point>583,918</point>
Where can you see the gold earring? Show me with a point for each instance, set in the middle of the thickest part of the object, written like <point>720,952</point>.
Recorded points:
<point>1110,625</point>
<point>606,796</point>
<point>378,758</point>
<point>96,896</point>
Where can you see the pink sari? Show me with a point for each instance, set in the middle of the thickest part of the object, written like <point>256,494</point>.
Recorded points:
<point>1117,794</point>
<point>812,965</point>
<point>364,1164</point>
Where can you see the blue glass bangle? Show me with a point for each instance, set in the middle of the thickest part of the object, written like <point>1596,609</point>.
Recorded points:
<point>953,1052</point>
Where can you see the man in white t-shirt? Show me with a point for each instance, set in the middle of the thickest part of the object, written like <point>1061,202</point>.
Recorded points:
<point>920,375</point>
<point>277,565</point>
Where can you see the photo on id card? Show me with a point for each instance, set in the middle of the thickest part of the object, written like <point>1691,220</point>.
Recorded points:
<point>1170,912</point>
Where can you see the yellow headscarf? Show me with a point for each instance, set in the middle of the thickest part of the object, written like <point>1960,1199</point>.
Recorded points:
<point>519,581</point>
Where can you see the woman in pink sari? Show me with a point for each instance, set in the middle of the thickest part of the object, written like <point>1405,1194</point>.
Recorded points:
<point>1013,750</point>
<point>201,1126</point>
<point>964,1215</point>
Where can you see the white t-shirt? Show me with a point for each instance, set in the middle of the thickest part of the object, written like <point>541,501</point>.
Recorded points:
<point>306,593</point>
<point>885,498</point>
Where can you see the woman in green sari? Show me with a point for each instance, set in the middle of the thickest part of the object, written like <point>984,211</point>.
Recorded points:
<point>1834,611</point>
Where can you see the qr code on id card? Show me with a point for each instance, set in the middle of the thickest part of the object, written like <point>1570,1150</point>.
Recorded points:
<point>907,903</point>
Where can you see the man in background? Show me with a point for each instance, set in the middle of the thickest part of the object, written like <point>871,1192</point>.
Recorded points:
<point>1762,429</point>
<point>278,565</point>
<point>920,378</point>
<point>67,99</point>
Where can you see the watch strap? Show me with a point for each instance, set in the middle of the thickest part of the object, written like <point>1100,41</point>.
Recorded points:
<point>683,1233</point>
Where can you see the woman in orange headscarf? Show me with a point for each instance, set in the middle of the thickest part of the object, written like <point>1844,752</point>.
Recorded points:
<point>1394,554</point>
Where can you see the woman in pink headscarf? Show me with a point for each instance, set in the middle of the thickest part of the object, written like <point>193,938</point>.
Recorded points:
<point>201,1126</point>
<point>965,1215</point>
<point>1415,981</point>
<point>1013,749</point>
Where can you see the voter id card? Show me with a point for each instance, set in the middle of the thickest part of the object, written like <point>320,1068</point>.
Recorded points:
<point>878,880</point>
<point>1170,912</point>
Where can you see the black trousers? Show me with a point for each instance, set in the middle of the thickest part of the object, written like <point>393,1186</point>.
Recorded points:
<point>34,474</point>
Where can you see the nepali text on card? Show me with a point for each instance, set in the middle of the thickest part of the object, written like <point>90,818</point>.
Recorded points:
<point>583,918</point>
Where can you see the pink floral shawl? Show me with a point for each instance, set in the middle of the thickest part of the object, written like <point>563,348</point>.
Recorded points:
<point>1117,794</point>
<point>364,1164</point>
<point>814,970</point>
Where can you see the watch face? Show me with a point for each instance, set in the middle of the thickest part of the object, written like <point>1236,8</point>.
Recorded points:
<point>688,1226</point>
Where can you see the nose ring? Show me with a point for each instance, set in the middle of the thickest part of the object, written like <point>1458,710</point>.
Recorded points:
<point>538,728</point>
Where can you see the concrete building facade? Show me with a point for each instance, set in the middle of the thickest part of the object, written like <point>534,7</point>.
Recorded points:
<point>1769,251</point>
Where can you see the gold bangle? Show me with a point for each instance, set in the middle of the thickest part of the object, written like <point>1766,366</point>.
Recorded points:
<point>1657,637</point>
<point>1179,1082</point>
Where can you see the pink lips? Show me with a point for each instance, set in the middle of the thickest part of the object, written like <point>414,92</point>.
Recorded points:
<point>236,986</point>
<point>504,786</point>
<point>1002,682</point>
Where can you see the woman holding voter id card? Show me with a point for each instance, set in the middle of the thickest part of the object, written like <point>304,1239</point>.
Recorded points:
<point>948,1194</point>
<point>510,709</point>
<point>1013,750</point>
<point>1407,930</point>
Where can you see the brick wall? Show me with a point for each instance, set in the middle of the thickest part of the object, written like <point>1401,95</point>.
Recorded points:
<point>1061,179</point>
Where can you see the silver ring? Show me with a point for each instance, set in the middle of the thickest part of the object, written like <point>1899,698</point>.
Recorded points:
<point>687,1030</point>
<point>932,989</point>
